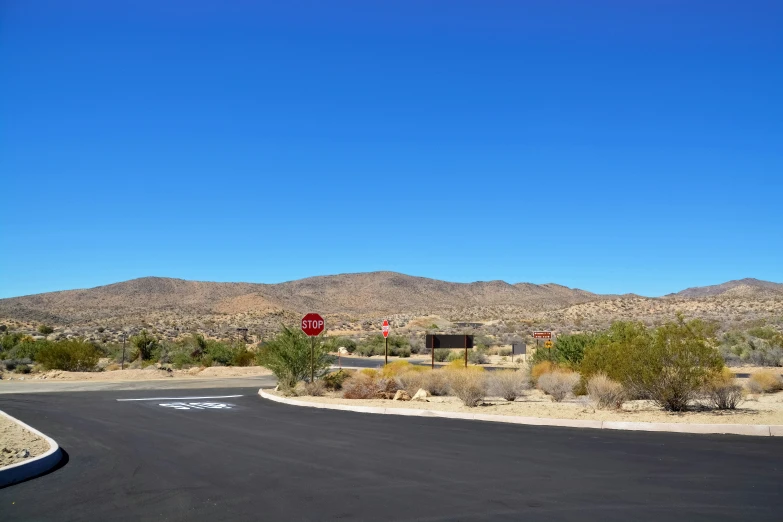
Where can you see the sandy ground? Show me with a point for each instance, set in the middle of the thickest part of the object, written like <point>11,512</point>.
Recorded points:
<point>757,409</point>
<point>14,440</point>
<point>149,373</point>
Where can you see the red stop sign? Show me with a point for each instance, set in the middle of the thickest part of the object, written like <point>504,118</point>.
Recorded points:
<point>312,324</point>
<point>385,328</point>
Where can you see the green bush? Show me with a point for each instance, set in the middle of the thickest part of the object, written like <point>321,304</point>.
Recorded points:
<point>442,354</point>
<point>668,365</point>
<point>73,355</point>
<point>335,380</point>
<point>45,329</point>
<point>288,356</point>
<point>27,348</point>
<point>180,359</point>
<point>568,350</point>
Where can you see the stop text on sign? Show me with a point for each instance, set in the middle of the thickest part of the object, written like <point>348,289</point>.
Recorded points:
<point>312,324</point>
<point>542,335</point>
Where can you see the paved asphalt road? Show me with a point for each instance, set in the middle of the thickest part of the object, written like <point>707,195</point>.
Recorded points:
<point>258,460</point>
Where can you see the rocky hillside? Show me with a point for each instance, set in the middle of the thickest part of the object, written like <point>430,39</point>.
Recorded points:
<point>738,288</point>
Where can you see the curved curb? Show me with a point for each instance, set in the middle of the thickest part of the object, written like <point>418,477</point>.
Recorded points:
<point>756,430</point>
<point>32,467</point>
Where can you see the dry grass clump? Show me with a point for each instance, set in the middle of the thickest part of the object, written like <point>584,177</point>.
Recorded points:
<point>412,381</point>
<point>436,382</point>
<point>540,369</point>
<point>367,385</point>
<point>605,393</point>
<point>508,384</point>
<point>469,384</point>
<point>313,389</point>
<point>558,383</point>
<point>765,382</point>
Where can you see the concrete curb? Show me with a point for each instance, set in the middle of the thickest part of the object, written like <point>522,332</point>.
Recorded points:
<point>755,430</point>
<point>32,467</point>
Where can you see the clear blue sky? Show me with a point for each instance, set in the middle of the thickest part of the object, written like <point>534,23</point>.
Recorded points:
<point>612,146</point>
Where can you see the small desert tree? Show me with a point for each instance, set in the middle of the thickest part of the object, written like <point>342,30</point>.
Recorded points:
<point>288,356</point>
<point>144,345</point>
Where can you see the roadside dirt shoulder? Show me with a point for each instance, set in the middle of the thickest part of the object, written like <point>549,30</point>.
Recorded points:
<point>763,409</point>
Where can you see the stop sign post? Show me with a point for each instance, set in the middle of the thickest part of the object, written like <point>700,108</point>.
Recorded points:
<point>312,326</point>
<point>385,330</point>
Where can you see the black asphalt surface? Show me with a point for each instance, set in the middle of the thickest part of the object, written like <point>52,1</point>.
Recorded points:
<point>259,460</point>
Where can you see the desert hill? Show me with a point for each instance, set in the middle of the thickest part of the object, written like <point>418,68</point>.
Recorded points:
<point>365,293</point>
<point>354,303</point>
<point>739,287</point>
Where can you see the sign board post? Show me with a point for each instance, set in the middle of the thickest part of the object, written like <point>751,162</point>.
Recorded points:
<point>385,330</point>
<point>312,326</point>
<point>542,335</point>
<point>433,341</point>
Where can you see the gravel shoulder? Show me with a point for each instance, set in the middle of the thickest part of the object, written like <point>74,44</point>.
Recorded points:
<point>761,409</point>
<point>17,444</point>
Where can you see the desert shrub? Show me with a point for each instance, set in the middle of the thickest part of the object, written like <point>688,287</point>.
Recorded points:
<point>404,351</point>
<point>669,365</point>
<point>540,369</point>
<point>558,383</point>
<point>27,348</point>
<point>9,340</point>
<point>722,392</point>
<point>376,345</point>
<point>335,380</point>
<point>112,367</point>
<point>22,368</point>
<point>196,344</point>
<point>762,346</point>
<point>442,354</point>
<point>612,351</point>
<point>469,384</point>
<point>143,346</point>
<point>288,356</point>
<point>436,382</point>
<point>180,359</point>
<point>568,350</point>
<point>508,384</point>
<point>73,355</point>
<point>243,357</point>
<point>45,329</point>
<point>364,385</point>
<point>335,343</point>
<point>456,355</point>
<point>604,392</point>
<point>504,352</point>
<point>765,382</point>
<point>412,381</point>
<point>313,389</point>
<point>394,368</point>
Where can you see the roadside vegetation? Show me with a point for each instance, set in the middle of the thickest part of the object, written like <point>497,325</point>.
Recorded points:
<point>677,366</point>
<point>24,354</point>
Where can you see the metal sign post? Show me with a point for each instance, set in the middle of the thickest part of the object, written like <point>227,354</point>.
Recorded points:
<point>385,330</point>
<point>312,326</point>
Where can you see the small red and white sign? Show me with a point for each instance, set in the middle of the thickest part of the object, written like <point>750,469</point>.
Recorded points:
<point>312,324</point>
<point>542,335</point>
<point>385,328</point>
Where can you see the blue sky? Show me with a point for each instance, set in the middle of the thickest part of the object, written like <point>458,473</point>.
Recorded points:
<point>611,146</point>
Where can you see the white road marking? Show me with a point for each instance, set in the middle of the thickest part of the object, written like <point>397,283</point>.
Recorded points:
<point>197,405</point>
<point>179,398</point>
